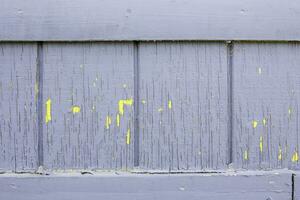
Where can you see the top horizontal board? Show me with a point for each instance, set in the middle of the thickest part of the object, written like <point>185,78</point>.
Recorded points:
<point>77,20</point>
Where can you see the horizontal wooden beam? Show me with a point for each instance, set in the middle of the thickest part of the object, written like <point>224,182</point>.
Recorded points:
<point>76,20</point>
<point>148,186</point>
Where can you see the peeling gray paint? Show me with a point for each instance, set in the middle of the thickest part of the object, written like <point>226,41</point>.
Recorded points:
<point>183,105</point>
<point>18,107</point>
<point>93,76</point>
<point>266,90</point>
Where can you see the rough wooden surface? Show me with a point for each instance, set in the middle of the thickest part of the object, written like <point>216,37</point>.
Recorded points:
<point>35,20</point>
<point>92,77</point>
<point>297,186</point>
<point>146,187</point>
<point>18,110</point>
<point>183,105</point>
<point>266,92</point>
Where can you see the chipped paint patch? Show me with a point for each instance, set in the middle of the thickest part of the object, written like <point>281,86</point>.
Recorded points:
<point>264,121</point>
<point>123,102</point>
<point>279,153</point>
<point>290,111</point>
<point>295,157</point>
<point>118,120</point>
<point>259,70</point>
<point>128,136</point>
<point>261,144</point>
<point>170,104</point>
<point>245,155</point>
<point>48,111</point>
<point>75,109</point>
<point>107,122</point>
<point>254,123</point>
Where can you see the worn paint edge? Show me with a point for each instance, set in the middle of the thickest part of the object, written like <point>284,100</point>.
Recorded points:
<point>136,102</point>
<point>40,120</point>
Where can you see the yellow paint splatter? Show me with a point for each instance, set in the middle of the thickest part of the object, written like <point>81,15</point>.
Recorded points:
<point>128,136</point>
<point>143,101</point>
<point>245,155</point>
<point>108,122</point>
<point>279,153</point>
<point>290,111</point>
<point>160,109</point>
<point>170,104</point>
<point>261,144</point>
<point>259,71</point>
<point>123,102</point>
<point>48,111</point>
<point>295,157</point>
<point>254,123</point>
<point>264,121</point>
<point>118,120</point>
<point>75,109</point>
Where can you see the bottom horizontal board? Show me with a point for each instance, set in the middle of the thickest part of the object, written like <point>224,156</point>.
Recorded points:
<point>147,186</point>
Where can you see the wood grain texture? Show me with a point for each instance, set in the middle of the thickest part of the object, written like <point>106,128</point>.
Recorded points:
<point>297,186</point>
<point>94,77</point>
<point>266,89</point>
<point>35,20</point>
<point>183,105</point>
<point>146,187</point>
<point>18,108</point>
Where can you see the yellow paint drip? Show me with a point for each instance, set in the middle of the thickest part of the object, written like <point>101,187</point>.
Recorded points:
<point>108,122</point>
<point>264,121</point>
<point>123,102</point>
<point>246,155</point>
<point>295,157</point>
<point>170,104</point>
<point>128,136</point>
<point>75,109</point>
<point>280,153</point>
<point>261,144</point>
<point>118,120</point>
<point>48,111</point>
<point>254,123</point>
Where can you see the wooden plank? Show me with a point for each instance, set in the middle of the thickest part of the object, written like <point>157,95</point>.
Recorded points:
<point>18,107</point>
<point>35,20</point>
<point>84,87</point>
<point>146,187</point>
<point>297,186</point>
<point>266,89</point>
<point>183,105</point>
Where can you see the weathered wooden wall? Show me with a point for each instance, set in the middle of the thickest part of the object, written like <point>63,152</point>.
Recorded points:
<point>153,105</point>
<point>150,87</point>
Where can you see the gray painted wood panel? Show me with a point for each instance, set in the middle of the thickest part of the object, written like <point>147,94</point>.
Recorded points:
<point>35,20</point>
<point>266,93</point>
<point>297,186</point>
<point>146,187</point>
<point>87,85</point>
<point>183,105</point>
<point>18,106</point>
